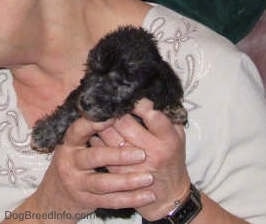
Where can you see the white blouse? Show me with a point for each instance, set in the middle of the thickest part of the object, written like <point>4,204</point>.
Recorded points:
<point>226,137</point>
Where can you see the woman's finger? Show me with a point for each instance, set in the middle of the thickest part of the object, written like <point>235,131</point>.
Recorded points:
<point>157,122</point>
<point>94,157</point>
<point>111,137</point>
<point>105,183</point>
<point>118,200</point>
<point>132,131</point>
<point>82,129</point>
<point>96,141</point>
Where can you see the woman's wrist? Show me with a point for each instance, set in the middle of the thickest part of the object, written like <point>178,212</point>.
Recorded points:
<point>180,197</point>
<point>167,201</point>
<point>184,211</point>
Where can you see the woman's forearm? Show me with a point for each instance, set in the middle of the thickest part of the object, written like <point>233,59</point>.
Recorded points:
<point>213,213</point>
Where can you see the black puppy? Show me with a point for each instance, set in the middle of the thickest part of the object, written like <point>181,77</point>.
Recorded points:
<point>122,68</point>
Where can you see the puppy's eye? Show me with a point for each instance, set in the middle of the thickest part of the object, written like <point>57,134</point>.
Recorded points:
<point>84,103</point>
<point>114,75</point>
<point>116,78</point>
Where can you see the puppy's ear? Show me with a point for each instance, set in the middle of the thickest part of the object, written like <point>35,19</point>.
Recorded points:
<point>170,91</point>
<point>102,58</point>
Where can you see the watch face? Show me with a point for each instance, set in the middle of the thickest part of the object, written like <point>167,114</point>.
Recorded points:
<point>189,209</point>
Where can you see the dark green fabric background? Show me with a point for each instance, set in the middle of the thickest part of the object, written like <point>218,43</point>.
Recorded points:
<point>231,18</point>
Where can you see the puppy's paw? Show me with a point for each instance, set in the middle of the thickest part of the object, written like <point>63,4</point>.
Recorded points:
<point>178,115</point>
<point>43,137</point>
<point>39,149</point>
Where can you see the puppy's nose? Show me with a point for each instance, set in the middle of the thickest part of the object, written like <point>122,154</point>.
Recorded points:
<point>86,108</point>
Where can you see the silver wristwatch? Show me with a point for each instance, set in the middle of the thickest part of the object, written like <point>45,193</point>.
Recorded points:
<point>184,213</point>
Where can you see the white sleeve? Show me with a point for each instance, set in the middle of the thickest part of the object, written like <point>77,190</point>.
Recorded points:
<point>226,137</point>
<point>238,178</point>
<point>226,142</point>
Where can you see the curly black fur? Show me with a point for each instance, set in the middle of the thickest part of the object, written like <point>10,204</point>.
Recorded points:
<point>122,68</point>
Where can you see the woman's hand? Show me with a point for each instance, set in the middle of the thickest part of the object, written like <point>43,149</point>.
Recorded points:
<point>71,184</point>
<point>164,145</point>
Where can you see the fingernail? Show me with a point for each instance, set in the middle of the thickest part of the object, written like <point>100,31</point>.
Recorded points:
<point>136,155</point>
<point>148,197</point>
<point>145,179</point>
